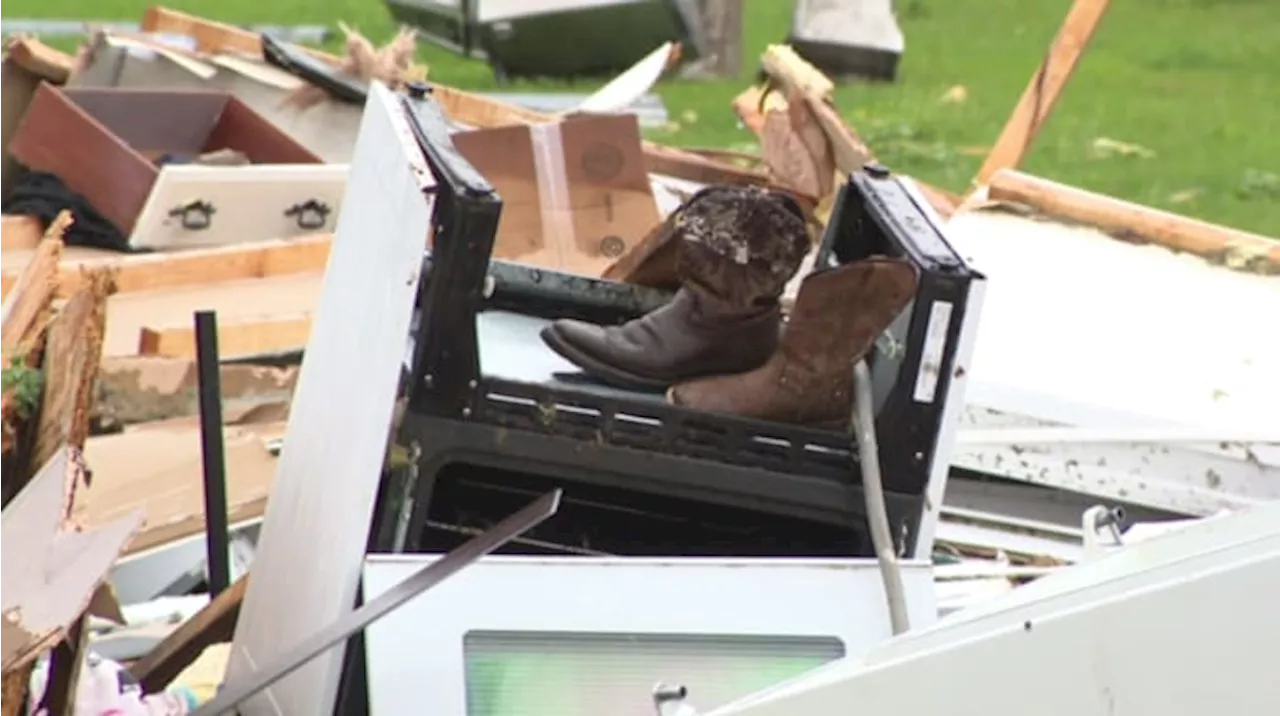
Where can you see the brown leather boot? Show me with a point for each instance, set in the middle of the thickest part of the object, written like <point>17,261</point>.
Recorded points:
<point>738,247</point>
<point>837,317</point>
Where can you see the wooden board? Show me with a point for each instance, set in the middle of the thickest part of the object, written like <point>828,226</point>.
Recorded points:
<point>70,367</point>
<point>1232,247</point>
<point>250,203</point>
<point>213,624</point>
<point>313,540</point>
<point>238,338</point>
<point>151,272</point>
<point>129,313</point>
<point>168,484</point>
<point>139,389</point>
<point>1042,92</point>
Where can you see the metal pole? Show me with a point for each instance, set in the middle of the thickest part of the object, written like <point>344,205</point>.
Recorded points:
<point>235,693</point>
<point>217,537</point>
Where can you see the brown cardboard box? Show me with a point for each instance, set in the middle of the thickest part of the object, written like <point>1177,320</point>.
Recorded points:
<point>576,216</point>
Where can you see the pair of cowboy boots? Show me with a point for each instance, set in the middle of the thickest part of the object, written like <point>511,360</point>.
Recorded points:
<point>717,345</point>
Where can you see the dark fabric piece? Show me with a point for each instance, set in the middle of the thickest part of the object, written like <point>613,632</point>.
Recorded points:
<point>44,195</point>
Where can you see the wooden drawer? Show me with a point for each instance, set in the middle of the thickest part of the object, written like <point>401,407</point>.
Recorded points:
<point>98,140</point>
<point>198,206</point>
<point>327,129</point>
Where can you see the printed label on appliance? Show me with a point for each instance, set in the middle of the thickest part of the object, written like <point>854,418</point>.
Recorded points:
<point>935,345</point>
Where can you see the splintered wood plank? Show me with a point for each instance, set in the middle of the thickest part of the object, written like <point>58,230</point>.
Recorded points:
<point>212,36</point>
<point>239,338</point>
<point>282,295</point>
<point>313,540</point>
<point>1180,233</point>
<point>213,624</point>
<point>798,79</point>
<point>23,322</point>
<point>139,389</point>
<point>70,367</point>
<point>1042,92</point>
<point>155,271</point>
<point>168,485</point>
<point>38,58</point>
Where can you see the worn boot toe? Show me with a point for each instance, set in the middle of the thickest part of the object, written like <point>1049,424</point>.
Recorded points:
<point>596,350</point>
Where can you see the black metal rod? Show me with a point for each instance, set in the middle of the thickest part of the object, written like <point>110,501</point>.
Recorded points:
<point>217,533</point>
<point>236,692</point>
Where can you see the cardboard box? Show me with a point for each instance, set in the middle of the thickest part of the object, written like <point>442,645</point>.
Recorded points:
<point>575,193</point>
<point>101,143</point>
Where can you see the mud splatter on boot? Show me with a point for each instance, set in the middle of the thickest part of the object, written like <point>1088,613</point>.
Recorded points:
<point>738,247</point>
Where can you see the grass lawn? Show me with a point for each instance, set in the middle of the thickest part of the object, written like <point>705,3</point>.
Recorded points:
<point>1191,87</point>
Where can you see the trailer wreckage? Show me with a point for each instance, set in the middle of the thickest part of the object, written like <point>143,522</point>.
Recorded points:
<point>764,551</point>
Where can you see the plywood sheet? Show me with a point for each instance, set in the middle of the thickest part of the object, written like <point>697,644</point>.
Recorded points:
<point>158,468</point>
<point>1076,317</point>
<point>317,523</point>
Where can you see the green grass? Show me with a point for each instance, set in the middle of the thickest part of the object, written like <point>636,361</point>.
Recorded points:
<point>1193,83</point>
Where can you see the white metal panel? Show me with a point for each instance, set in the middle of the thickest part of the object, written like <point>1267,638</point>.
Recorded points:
<point>311,550</point>
<point>415,655</point>
<point>1082,330</point>
<point>1115,326</point>
<point>1183,624</point>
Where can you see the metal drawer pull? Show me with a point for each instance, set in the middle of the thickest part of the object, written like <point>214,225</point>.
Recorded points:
<point>309,214</point>
<point>195,215</point>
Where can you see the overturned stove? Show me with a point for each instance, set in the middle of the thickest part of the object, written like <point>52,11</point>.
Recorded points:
<point>492,418</point>
<point>495,418</point>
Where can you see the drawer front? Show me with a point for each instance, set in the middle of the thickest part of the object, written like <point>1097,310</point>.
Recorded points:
<point>194,206</point>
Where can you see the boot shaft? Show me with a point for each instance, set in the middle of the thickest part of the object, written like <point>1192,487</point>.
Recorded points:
<point>740,244</point>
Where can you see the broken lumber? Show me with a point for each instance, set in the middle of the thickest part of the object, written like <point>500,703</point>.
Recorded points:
<point>1235,248</point>
<point>153,272</point>
<point>140,389</point>
<point>238,338</point>
<point>462,107</point>
<point>1042,92</point>
<point>215,623</point>
<point>38,58</point>
<point>23,323</point>
<point>212,36</point>
<point>72,354</point>
<point>796,77</point>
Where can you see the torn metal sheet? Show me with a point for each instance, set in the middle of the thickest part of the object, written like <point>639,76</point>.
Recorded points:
<point>1138,347</point>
